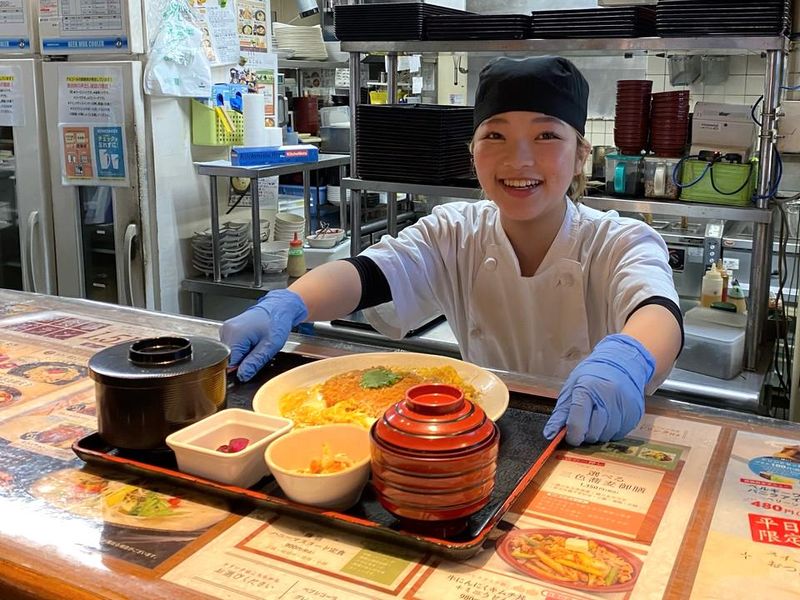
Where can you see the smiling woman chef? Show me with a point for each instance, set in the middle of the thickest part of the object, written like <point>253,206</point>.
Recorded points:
<point>529,280</point>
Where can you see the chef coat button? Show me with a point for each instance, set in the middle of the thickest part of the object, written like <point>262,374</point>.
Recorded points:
<point>476,332</point>
<point>490,264</point>
<point>566,280</point>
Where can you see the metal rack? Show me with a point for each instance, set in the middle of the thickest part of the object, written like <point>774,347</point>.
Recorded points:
<point>775,48</point>
<point>223,168</point>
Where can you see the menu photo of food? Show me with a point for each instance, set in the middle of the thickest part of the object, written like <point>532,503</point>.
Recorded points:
<point>50,435</point>
<point>571,561</point>
<point>125,503</point>
<point>253,24</point>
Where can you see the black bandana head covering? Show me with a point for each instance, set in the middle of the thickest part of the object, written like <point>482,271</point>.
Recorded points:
<point>551,85</point>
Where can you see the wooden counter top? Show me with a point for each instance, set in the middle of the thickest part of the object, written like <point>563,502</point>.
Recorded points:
<point>58,540</point>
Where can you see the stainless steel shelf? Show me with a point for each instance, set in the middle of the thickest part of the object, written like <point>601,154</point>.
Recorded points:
<point>223,168</point>
<point>412,188</point>
<point>239,285</point>
<point>287,63</point>
<point>577,46</point>
<point>680,209</point>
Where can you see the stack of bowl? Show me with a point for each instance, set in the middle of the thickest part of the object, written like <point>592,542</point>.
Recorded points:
<point>434,457</point>
<point>287,224</point>
<point>632,117</point>
<point>669,123</point>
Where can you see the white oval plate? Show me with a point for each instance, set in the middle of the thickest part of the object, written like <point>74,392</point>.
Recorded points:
<point>492,392</point>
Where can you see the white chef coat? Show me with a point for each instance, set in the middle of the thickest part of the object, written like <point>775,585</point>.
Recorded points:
<point>458,262</point>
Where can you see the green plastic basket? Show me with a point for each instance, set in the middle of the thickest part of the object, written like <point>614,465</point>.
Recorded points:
<point>728,177</point>
<point>208,130</point>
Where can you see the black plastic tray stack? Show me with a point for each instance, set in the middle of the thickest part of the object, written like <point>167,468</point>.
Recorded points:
<point>627,21</point>
<point>689,18</point>
<point>385,21</point>
<point>478,27</point>
<point>419,143</point>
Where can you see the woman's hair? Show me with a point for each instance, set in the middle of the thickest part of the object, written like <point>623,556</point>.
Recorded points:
<point>578,185</point>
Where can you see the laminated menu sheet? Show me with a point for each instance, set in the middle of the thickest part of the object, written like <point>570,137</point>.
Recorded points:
<point>628,503</point>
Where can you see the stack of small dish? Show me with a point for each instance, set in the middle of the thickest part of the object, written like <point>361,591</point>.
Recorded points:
<point>274,256</point>
<point>234,249</point>
<point>287,224</point>
<point>434,458</point>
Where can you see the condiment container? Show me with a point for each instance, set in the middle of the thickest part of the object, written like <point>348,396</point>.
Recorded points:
<point>434,458</point>
<point>711,290</point>
<point>712,349</point>
<point>149,388</point>
<point>658,178</point>
<point>624,175</point>
<point>296,265</point>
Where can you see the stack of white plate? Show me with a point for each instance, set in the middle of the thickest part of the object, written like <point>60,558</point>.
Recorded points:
<point>235,249</point>
<point>335,195</point>
<point>287,224</point>
<point>306,41</point>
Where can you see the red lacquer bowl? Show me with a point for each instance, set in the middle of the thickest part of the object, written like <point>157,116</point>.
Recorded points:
<point>505,547</point>
<point>434,456</point>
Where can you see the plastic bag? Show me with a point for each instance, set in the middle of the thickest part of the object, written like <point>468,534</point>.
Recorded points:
<point>177,64</point>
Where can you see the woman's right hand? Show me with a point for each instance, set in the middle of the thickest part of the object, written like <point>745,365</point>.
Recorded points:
<point>258,334</point>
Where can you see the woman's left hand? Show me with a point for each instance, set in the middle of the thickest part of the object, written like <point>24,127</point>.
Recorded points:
<point>603,397</point>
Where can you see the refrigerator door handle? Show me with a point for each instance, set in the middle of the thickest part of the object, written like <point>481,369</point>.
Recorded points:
<point>130,237</point>
<point>33,222</point>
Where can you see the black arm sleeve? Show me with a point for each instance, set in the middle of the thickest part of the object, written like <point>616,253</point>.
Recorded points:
<point>374,285</point>
<point>670,306</point>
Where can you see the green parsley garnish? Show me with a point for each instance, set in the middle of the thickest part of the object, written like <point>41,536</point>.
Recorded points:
<point>379,378</point>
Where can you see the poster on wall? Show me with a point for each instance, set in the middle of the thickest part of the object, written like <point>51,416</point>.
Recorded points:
<point>263,79</point>
<point>91,123</point>
<point>220,31</point>
<point>255,32</point>
<point>12,99</point>
<point>15,26</point>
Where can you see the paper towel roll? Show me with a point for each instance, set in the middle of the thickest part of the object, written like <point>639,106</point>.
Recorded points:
<point>274,136</point>
<point>253,112</point>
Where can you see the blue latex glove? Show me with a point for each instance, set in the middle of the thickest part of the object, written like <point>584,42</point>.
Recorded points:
<point>603,397</point>
<point>260,332</point>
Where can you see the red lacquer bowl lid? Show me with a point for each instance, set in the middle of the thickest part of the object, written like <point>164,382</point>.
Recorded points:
<point>434,418</point>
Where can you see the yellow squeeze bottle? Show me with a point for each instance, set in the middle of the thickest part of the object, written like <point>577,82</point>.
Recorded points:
<point>712,287</point>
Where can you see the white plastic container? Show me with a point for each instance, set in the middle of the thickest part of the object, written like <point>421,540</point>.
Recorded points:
<point>195,446</point>
<point>712,349</point>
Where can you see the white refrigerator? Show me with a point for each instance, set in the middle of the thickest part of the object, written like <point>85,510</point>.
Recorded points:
<point>111,148</point>
<point>26,224</point>
<point>96,137</point>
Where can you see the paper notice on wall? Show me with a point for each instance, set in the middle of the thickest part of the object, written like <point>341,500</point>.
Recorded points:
<point>220,31</point>
<point>76,159</point>
<point>261,78</point>
<point>254,29</point>
<point>90,95</point>
<point>12,100</point>
<point>91,114</point>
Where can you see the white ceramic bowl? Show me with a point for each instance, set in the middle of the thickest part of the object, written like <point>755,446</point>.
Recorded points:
<point>283,219</point>
<point>196,446</point>
<point>326,240</point>
<point>295,451</point>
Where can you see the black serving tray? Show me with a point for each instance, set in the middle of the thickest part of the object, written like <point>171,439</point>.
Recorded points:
<point>523,452</point>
